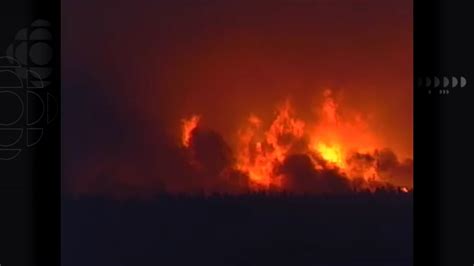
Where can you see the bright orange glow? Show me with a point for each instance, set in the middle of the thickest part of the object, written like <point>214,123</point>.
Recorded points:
<point>329,140</point>
<point>260,150</point>
<point>188,125</point>
<point>331,153</point>
<point>330,137</point>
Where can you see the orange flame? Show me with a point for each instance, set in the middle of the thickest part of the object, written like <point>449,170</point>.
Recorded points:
<point>329,141</point>
<point>259,151</point>
<point>334,137</point>
<point>188,125</point>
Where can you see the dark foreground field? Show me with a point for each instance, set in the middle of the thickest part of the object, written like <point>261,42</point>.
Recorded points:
<point>363,229</point>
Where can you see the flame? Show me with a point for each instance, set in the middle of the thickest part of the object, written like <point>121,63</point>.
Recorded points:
<point>188,125</point>
<point>331,153</point>
<point>329,140</point>
<point>259,151</point>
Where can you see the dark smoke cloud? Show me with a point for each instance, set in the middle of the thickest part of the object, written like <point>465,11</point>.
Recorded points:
<point>393,170</point>
<point>211,151</point>
<point>386,165</point>
<point>212,160</point>
<point>301,176</point>
<point>110,149</point>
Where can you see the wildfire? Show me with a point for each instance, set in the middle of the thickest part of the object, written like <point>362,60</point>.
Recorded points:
<point>259,151</point>
<point>329,141</point>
